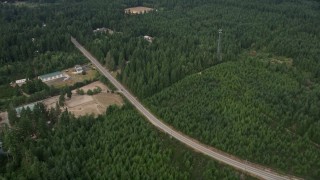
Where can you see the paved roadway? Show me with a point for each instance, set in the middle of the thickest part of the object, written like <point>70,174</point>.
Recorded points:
<point>249,168</point>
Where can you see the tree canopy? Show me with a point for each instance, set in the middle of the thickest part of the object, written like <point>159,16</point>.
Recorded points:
<point>252,108</point>
<point>120,145</point>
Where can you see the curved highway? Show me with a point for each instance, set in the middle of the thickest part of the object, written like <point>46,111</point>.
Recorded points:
<point>244,166</point>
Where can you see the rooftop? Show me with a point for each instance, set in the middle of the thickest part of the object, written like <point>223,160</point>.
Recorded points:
<point>138,10</point>
<point>50,75</point>
<point>30,106</point>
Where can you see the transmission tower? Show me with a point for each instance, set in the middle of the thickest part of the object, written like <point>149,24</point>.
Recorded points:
<point>219,56</point>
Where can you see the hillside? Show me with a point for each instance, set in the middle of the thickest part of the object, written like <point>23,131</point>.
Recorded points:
<point>261,103</point>
<point>252,108</point>
<point>120,145</point>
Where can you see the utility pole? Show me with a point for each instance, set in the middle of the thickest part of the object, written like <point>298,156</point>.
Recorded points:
<point>219,56</point>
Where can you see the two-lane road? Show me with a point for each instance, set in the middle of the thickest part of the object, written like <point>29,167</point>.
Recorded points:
<point>249,168</point>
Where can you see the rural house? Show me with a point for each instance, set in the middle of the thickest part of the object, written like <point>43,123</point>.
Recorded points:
<point>78,69</point>
<point>21,82</point>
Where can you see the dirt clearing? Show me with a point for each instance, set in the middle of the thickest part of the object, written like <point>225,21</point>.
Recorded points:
<point>81,105</point>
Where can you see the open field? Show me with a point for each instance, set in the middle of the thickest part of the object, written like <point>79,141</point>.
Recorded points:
<point>51,102</point>
<point>92,86</point>
<point>73,78</point>
<point>81,105</point>
<point>271,58</point>
<point>138,10</point>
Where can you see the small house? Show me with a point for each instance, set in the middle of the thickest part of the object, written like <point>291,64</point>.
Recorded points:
<point>78,69</point>
<point>21,82</point>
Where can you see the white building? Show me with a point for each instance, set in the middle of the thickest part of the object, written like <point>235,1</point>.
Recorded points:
<point>103,30</point>
<point>78,69</point>
<point>21,82</point>
<point>51,76</point>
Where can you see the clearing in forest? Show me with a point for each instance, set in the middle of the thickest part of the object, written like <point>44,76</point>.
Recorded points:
<point>81,105</point>
<point>73,77</point>
<point>271,58</point>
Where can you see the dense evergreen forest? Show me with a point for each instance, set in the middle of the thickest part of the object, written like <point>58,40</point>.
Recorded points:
<point>186,39</point>
<point>253,108</point>
<point>120,145</point>
<point>261,103</point>
<point>277,108</point>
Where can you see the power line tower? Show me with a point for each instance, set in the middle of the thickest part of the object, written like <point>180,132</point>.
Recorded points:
<point>219,56</point>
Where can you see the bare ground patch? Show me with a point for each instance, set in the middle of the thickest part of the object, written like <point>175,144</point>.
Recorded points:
<point>78,100</point>
<point>81,105</point>
<point>51,102</point>
<point>84,109</point>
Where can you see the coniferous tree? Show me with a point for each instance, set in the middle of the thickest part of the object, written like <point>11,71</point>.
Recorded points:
<point>61,99</point>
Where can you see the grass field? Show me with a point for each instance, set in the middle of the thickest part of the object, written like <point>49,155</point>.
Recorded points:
<point>73,78</point>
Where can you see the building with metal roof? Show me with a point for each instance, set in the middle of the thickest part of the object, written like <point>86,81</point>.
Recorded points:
<point>21,81</point>
<point>30,106</point>
<point>51,76</point>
